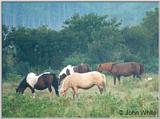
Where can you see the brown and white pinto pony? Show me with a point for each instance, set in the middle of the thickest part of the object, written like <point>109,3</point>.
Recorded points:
<point>82,68</point>
<point>122,69</point>
<point>39,82</point>
<point>83,81</point>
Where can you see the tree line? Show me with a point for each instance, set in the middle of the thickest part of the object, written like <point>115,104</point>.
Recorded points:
<point>89,38</point>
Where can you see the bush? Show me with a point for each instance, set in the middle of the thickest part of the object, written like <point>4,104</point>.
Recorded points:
<point>152,66</point>
<point>23,68</point>
<point>75,59</point>
<point>13,77</point>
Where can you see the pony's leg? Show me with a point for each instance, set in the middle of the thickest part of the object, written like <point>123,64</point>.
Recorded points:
<point>51,91</point>
<point>104,86</point>
<point>101,88</point>
<point>134,76</point>
<point>33,91</point>
<point>114,80</point>
<point>119,79</point>
<point>138,75</point>
<point>75,91</point>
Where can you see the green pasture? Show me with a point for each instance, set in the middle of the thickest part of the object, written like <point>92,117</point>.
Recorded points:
<point>132,98</point>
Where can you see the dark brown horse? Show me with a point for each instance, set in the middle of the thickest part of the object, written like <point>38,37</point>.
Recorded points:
<point>82,68</point>
<point>122,69</point>
<point>40,82</point>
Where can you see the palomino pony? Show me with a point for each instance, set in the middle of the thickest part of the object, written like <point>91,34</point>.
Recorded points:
<point>82,68</point>
<point>122,69</point>
<point>40,82</point>
<point>83,81</point>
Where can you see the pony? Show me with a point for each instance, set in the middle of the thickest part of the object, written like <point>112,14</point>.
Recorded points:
<point>122,69</point>
<point>83,81</point>
<point>82,68</point>
<point>39,82</point>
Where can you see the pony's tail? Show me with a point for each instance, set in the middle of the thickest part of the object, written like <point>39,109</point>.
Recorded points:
<point>141,68</point>
<point>104,83</point>
<point>55,83</point>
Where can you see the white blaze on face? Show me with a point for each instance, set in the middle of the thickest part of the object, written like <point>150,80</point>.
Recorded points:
<point>32,79</point>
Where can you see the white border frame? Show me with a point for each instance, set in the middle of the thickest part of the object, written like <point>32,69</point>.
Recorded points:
<point>80,1</point>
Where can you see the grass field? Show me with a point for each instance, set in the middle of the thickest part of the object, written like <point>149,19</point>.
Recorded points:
<point>131,98</point>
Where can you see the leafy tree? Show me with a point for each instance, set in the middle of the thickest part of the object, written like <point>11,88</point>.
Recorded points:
<point>108,43</point>
<point>82,28</point>
<point>142,40</point>
<point>88,38</point>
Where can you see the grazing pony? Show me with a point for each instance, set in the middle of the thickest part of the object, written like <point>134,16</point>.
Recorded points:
<point>122,69</point>
<point>83,81</point>
<point>82,68</point>
<point>40,82</point>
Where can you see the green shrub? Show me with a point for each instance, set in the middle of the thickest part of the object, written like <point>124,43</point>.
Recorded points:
<point>131,95</point>
<point>75,59</point>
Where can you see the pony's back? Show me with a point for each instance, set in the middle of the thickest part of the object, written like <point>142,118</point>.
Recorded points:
<point>88,78</point>
<point>83,81</point>
<point>123,67</point>
<point>82,68</point>
<point>104,67</point>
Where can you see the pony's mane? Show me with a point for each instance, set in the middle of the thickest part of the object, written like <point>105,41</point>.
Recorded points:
<point>62,86</point>
<point>23,79</point>
<point>64,69</point>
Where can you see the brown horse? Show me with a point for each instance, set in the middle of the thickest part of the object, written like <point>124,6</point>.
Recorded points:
<point>82,68</point>
<point>83,81</point>
<point>122,69</point>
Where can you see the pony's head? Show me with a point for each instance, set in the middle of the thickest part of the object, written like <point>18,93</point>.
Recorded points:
<point>22,86</point>
<point>63,93</point>
<point>63,89</point>
<point>105,67</point>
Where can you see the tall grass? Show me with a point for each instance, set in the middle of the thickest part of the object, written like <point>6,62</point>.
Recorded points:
<point>131,98</point>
